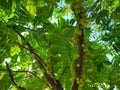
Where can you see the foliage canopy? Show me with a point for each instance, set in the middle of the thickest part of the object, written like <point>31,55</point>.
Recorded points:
<point>59,44</point>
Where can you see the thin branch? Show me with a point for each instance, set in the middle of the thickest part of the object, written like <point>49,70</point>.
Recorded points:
<point>21,46</point>
<point>27,43</point>
<point>31,50</point>
<point>63,72</point>
<point>23,27</point>
<point>12,78</point>
<point>22,71</point>
<point>53,31</point>
<point>63,37</point>
<point>93,6</point>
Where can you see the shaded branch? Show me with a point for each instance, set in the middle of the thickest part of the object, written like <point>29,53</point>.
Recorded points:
<point>21,46</point>
<point>63,37</point>
<point>93,6</point>
<point>63,72</point>
<point>30,48</point>
<point>52,79</point>
<point>12,78</point>
<point>53,31</point>
<point>22,71</point>
<point>53,82</point>
<point>27,28</point>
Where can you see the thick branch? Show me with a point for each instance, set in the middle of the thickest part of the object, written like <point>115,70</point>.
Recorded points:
<point>12,78</point>
<point>31,50</point>
<point>79,63</point>
<point>54,83</point>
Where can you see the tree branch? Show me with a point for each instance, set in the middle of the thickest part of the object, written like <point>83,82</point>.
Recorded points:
<point>79,14</point>
<point>54,83</point>
<point>63,72</point>
<point>53,31</point>
<point>21,46</point>
<point>93,6</point>
<point>22,71</point>
<point>12,78</point>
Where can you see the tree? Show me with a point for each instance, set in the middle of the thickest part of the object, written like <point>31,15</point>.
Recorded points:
<point>59,44</point>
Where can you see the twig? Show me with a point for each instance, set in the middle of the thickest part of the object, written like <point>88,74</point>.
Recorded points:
<point>22,72</point>
<point>93,6</point>
<point>52,31</point>
<point>21,46</point>
<point>23,27</point>
<point>12,78</point>
<point>63,72</point>
<point>63,37</point>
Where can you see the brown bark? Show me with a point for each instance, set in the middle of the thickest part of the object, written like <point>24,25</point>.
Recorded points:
<point>56,85</point>
<point>79,14</point>
<point>78,70</point>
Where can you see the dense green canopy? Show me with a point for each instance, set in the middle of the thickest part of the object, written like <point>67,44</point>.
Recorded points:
<point>59,44</point>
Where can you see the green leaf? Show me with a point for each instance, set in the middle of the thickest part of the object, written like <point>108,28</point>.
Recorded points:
<point>49,30</point>
<point>5,85</point>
